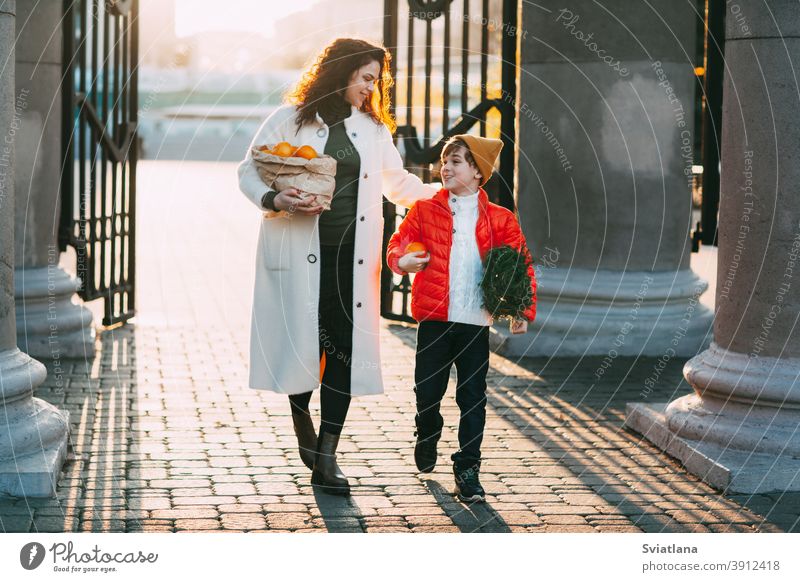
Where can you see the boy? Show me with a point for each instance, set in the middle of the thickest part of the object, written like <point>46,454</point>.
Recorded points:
<point>457,227</point>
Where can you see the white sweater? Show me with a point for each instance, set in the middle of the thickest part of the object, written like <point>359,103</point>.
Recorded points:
<point>466,269</point>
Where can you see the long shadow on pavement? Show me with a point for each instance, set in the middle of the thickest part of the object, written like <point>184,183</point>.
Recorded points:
<point>469,518</point>
<point>103,454</point>
<point>575,422</point>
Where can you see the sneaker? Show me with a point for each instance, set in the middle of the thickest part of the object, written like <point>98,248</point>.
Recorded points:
<point>425,453</point>
<point>468,486</point>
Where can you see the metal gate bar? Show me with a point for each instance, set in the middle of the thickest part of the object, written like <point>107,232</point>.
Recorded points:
<point>421,145</point>
<point>98,179</point>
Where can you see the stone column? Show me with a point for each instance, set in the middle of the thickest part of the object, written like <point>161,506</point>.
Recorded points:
<point>605,110</point>
<point>739,430</point>
<point>51,322</point>
<point>33,433</point>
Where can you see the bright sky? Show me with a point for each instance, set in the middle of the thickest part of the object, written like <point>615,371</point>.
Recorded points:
<point>192,16</point>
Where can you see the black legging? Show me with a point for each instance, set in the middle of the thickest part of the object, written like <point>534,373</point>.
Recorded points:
<point>334,396</point>
<point>335,337</point>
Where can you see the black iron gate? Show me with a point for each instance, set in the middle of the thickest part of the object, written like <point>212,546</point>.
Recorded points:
<point>713,47</point>
<point>99,142</point>
<point>451,60</point>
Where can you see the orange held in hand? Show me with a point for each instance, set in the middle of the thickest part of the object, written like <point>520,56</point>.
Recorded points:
<point>414,247</point>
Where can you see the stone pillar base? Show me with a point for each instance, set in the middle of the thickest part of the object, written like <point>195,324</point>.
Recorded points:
<point>740,429</point>
<point>728,469</point>
<point>33,433</point>
<point>583,312</point>
<point>49,325</point>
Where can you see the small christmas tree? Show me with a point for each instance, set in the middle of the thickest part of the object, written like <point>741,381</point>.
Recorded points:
<point>506,284</point>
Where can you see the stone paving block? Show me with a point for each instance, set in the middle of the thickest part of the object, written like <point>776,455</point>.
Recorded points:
<point>563,510</point>
<point>730,528</point>
<point>104,526</point>
<point>435,529</point>
<point>257,499</point>
<point>564,520</point>
<point>150,525</point>
<point>619,528</point>
<point>384,521</point>
<point>283,507</point>
<point>185,513</point>
<point>196,524</point>
<point>338,524</point>
<point>373,501</point>
<point>411,510</point>
<point>149,503</point>
<point>208,500</point>
<point>243,521</point>
<point>240,508</point>
<point>420,520</point>
<point>570,529</point>
<point>582,499</point>
<point>522,518</point>
<point>234,489</point>
<point>535,498</point>
<point>288,521</point>
<point>192,492</point>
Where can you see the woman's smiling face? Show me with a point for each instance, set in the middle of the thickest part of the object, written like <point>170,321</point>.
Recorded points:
<point>362,84</point>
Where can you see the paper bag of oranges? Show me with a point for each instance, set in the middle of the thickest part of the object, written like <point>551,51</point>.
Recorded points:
<point>284,166</point>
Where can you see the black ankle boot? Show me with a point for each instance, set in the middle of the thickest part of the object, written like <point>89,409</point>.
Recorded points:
<point>327,475</point>
<point>306,436</point>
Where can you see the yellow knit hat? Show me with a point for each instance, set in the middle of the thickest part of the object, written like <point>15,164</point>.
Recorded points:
<point>485,151</point>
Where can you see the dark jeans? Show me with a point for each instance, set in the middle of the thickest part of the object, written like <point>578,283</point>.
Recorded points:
<point>335,337</point>
<point>440,344</point>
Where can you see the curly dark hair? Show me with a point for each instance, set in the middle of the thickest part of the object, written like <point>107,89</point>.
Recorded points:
<point>331,73</point>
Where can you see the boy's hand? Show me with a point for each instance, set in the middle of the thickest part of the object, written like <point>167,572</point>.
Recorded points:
<point>519,326</point>
<point>414,262</point>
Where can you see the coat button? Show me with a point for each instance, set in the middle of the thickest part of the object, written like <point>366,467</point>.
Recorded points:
<point>312,258</point>
<point>321,132</point>
<point>454,230</point>
<point>453,212</point>
<point>453,199</point>
<point>358,304</point>
<point>353,134</point>
<point>366,176</point>
<point>362,219</point>
<point>360,261</point>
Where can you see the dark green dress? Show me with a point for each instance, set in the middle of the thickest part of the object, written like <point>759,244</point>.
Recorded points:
<point>337,231</point>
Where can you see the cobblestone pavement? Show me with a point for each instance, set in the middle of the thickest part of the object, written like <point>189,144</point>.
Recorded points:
<point>166,435</point>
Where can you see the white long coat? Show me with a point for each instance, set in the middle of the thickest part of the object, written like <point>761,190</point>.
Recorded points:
<point>284,337</point>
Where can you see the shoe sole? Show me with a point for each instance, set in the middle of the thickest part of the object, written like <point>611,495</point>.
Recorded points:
<point>472,499</point>
<point>340,491</point>
<point>332,490</point>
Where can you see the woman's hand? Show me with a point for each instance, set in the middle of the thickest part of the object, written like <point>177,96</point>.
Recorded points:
<point>519,326</point>
<point>293,200</point>
<point>413,262</point>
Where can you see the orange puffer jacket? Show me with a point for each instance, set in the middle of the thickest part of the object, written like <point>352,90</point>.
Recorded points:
<point>431,223</point>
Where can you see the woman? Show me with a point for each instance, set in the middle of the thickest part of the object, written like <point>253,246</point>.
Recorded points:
<point>318,274</point>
